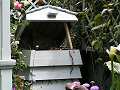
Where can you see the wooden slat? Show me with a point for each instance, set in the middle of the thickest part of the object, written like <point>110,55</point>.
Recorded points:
<point>54,73</point>
<point>52,57</point>
<point>50,85</point>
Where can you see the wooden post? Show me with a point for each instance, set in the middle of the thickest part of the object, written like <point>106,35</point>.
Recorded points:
<point>6,63</point>
<point>68,36</point>
<point>5,79</point>
<point>5,29</point>
<point>0,30</point>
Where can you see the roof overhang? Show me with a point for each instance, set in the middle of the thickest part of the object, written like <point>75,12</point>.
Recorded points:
<point>51,13</point>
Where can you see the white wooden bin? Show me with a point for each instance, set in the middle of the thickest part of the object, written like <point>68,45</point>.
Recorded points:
<point>51,68</point>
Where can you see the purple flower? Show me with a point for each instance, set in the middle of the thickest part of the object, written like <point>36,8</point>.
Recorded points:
<point>13,88</point>
<point>94,88</point>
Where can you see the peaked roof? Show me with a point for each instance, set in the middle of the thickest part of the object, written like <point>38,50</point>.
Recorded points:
<point>41,14</point>
<point>52,7</point>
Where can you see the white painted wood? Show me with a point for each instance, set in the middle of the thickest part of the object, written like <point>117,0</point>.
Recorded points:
<point>41,14</point>
<point>6,63</point>
<point>54,73</point>
<point>52,57</point>
<point>50,85</point>
<point>5,30</point>
<point>6,79</point>
<point>0,29</point>
<point>52,7</point>
<point>6,74</point>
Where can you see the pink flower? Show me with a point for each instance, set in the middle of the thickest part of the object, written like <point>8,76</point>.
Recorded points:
<point>18,5</point>
<point>86,85</point>
<point>94,88</point>
<point>75,84</point>
<point>82,88</point>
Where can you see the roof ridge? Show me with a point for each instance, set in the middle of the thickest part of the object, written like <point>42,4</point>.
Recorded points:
<point>53,7</point>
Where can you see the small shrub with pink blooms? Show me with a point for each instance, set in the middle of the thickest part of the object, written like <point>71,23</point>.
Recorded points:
<point>18,5</point>
<point>78,86</point>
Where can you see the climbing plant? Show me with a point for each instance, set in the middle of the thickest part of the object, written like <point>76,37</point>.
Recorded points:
<point>16,19</point>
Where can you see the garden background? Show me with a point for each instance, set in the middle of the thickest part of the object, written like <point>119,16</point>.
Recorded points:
<point>97,29</point>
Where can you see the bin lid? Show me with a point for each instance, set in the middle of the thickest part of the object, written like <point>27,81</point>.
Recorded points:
<point>50,13</point>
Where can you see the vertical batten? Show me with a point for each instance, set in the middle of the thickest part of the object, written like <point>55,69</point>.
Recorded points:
<point>0,38</point>
<point>0,30</point>
<point>6,52</point>
<point>6,79</point>
<point>6,63</point>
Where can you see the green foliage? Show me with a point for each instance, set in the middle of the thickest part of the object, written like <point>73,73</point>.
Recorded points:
<point>16,51</point>
<point>20,84</point>
<point>98,19</point>
<point>16,19</point>
<point>116,84</point>
<point>114,56</point>
<point>98,26</point>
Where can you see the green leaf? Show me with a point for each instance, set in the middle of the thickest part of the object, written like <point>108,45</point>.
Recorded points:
<point>117,26</point>
<point>98,27</point>
<point>96,44</point>
<point>118,57</point>
<point>98,19</point>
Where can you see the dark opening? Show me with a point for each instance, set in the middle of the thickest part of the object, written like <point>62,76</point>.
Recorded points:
<point>42,35</point>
